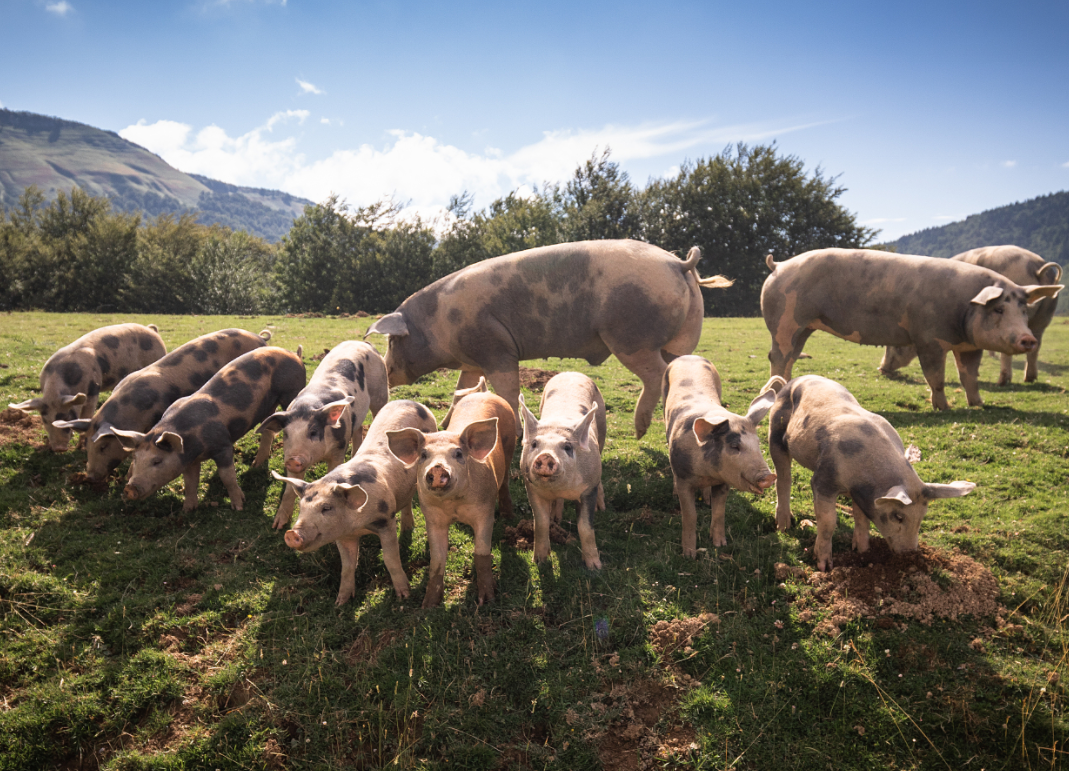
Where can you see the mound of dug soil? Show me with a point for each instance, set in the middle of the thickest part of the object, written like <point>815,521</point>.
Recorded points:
<point>521,537</point>
<point>16,427</point>
<point>920,586</point>
<point>535,379</point>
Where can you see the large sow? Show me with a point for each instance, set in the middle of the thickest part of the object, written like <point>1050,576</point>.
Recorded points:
<point>1016,264</point>
<point>582,300</point>
<point>878,298</point>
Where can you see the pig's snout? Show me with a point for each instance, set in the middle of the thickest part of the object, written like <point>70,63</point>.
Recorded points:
<point>1026,343</point>
<point>131,492</point>
<point>762,483</point>
<point>438,478</point>
<point>545,465</point>
<point>296,464</point>
<point>293,539</point>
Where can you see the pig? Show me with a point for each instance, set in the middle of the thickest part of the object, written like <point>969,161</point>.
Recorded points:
<point>561,459</point>
<point>851,452</point>
<point>361,497</point>
<point>206,424</point>
<point>459,473</point>
<point>329,414</point>
<point>137,403</point>
<point>75,375</point>
<point>878,298</point>
<point>584,300</point>
<point>1016,264</point>
<point>709,448</point>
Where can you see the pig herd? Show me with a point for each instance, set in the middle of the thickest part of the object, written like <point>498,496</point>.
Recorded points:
<point>169,412</point>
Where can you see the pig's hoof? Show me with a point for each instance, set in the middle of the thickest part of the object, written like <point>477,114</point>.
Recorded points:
<point>594,565</point>
<point>188,506</point>
<point>692,553</point>
<point>402,594</point>
<point>281,521</point>
<point>342,598</point>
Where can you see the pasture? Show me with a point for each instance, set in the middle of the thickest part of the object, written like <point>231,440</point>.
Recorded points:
<point>136,636</point>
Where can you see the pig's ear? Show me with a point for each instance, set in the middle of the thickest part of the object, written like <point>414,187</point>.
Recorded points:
<point>298,485</point>
<point>390,324</point>
<point>987,295</point>
<point>1050,273</point>
<point>952,490</point>
<point>584,430</point>
<point>355,495</point>
<point>406,445</point>
<point>896,494</point>
<point>1037,292</point>
<point>131,440</point>
<point>760,406</point>
<point>704,427</point>
<point>171,441</point>
<point>479,438</point>
<point>336,410</point>
<point>73,401</point>
<point>82,424</point>
<point>28,406</point>
<point>275,422</point>
<point>530,422</point>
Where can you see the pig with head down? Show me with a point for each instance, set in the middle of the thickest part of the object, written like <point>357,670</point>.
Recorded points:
<point>460,474</point>
<point>328,414</point>
<point>205,425</point>
<point>561,459</point>
<point>1018,265</point>
<point>74,376</point>
<point>138,402</point>
<point>852,452</point>
<point>878,298</point>
<point>361,497</point>
<point>711,449</point>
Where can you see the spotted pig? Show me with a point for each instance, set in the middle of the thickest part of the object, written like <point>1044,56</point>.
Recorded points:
<point>74,376</point>
<point>711,449</point>
<point>878,298</point>
<point>582,300</point>
<point>1016,264</point>
<point>460,473</point>
<point>361,497</point>
<point>851,452</point>
<point>137,403</point>
<point>205,425</point>
<point>329,413</point>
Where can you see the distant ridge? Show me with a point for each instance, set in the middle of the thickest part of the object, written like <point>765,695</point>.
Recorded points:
<point>57,154</point>
<point>1039,224</point>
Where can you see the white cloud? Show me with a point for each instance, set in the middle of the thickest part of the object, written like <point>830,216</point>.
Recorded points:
<point>62,8</point>
<point>308,88</point>
<point>1009,164</point>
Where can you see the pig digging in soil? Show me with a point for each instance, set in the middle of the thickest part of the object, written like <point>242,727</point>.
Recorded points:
<point>711,449</point>
<point>561,459</point>
<point>583,300</point>
<point>1016,264</point>
<point>206,424</point>
<point>74,376</point>
<point>362,497</point>
<point>852,452</point>
<point>140,399</point>
<point>877,298</point>
<point>460,474</point>
<point>328,414</point>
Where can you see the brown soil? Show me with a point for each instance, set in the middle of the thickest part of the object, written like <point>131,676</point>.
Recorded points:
<point>920,586</point>
<point>535,379</point>
<point>365,650</point>
<point>667,637</point>
<point>16,427</point>
<point>649,729</point>
<point>521,537</point>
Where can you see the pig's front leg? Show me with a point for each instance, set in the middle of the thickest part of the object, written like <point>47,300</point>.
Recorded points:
<point>543,510</point>
<point>587,504</point>
<point>349,549</point>
<point>506,384</point>
<point>781,461</point>
<point>689,515</point>
<point>190,483</point>
<point>407,521</point>
<point>933,360</point>
<point>438,546</point>
<point>229,475</point>
<point>285,506</point>
<point>824,511</point>
<point>267,438</point>
<point>968,363</point>
<point>484,560</point>
<point>1031,369</point>
<point>861,530</point>
<point>391,556</point>
<point>718,506</point>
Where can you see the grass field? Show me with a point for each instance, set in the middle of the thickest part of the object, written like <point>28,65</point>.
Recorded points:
<point>136,636</point>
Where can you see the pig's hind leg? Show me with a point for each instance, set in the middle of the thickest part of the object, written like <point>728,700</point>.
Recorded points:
<point>650,367</point>
<point>968,364</point>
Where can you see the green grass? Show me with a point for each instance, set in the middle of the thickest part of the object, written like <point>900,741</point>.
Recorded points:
<point>136,636</point>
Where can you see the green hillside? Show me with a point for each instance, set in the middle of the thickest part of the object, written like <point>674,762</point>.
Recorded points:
<point>57,154</point>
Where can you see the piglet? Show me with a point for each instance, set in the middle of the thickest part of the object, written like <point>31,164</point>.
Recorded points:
<point>710,448</point>
<point>361,498</point>
<point>853,452</point>
<point>561,458</point>
<point>328,414</point>
<point>206,424</point>
<point>460,473</point>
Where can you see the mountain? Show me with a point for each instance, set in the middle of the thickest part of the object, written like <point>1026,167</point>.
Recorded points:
<point>1040,225</point>
<point>57,154</point>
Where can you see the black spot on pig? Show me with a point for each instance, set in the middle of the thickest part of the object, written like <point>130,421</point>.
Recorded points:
<point>777,436</point>
<point>237,427</point>
<point>110,411</point>
<point>211,346</point>
<point>869,430</point>
<point>345,368</point>
<point>423,412</point>
<point>192,448</point>
<point>193,413</point>
<point>864,495</point>
<point>216,438</point>
<point>102,363</point>
<point>681,463</point>
<point>173,359</point>
<point>796,395</point>
<point>821,435</point>
<point>384,507</point>
<point>362,475</point>
<point>805,422</point>
<point>146,342</point>
<point>251,367</point>
<point>141,397</point>
<point>199,354</point>
<point>378,524</point>
<point>850,447</point>
<point>236,394</point>
<point>686,383</point>
<point>198,379</point>
<point>360,376</point>
<point>111,341</point>
<point>173,394</point>
<point>826,476</point>
<point>341,436</point>
<point>156,417</point>
<point>93,389</point>
<point>71,372</point>
<point>236,344</point>
<point>455,316</point>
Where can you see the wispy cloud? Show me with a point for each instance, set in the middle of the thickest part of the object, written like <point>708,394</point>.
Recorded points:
<point>62,8</point>
<point>308,88</point>
<point>1008,164</point>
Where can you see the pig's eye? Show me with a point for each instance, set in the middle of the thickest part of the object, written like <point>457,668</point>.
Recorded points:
<point>457,454</point>
<point>534,445</point>
<point>998,309</point>
<point>900,517</point>
<point>423,455</point>
<point>327,509</point>
<point>569,449</point>
<point>157,461</point>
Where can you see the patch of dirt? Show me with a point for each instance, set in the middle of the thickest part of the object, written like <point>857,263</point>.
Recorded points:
<point>521,537</point>
<point>648,730</point>
<point>366,650</point>
<point>535,379</point>
<point>920,586</point>
<point>667,637</point>
<point>319,356</point>
<point>16,427</point>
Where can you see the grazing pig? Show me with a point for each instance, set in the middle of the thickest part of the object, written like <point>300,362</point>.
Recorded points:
<point>329,413</point>
<point>460,473</point>
<point>361,498</point>
<point>138,402</point>
<point>206,424</point>
<point>711,449</point>
<point>879,298</point>
<point>75,375</point>
<point>853,452</point>
<point>1016,264</point>
<point>583,300</point>
<point>561,459</point>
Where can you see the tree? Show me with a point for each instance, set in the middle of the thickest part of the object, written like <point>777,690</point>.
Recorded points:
<point>598,202</point>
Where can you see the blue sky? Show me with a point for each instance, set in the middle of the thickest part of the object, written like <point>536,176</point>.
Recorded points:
<point>928,112</point>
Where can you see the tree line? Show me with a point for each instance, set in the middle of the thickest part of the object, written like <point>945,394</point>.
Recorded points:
<point>75,253</point>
